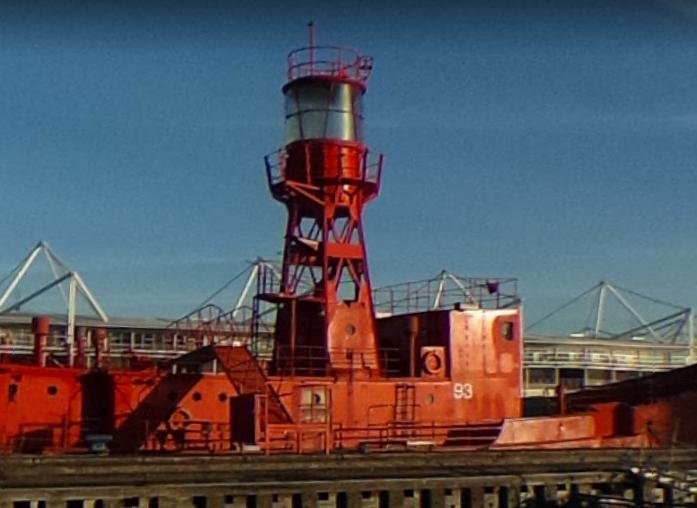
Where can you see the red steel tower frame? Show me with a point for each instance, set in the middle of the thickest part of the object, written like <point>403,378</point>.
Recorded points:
<point>325,319</point>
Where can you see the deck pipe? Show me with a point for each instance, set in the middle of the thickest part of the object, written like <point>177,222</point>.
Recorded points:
<point>40,327</point>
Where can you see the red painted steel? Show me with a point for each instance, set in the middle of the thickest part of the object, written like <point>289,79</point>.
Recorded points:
<point>41,326</point>
<point>339,379</point>
<point>325,313</point>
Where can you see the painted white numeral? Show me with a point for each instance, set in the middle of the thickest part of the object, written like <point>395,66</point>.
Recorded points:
<point>463,391</point>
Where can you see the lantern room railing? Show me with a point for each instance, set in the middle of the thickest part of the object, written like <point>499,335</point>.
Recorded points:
<point>371,170</point>
<point>329,61</point>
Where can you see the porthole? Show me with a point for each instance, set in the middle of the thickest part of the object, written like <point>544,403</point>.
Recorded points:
<point>52,390</point>
<point>222,397</point>
<point>196,396</point>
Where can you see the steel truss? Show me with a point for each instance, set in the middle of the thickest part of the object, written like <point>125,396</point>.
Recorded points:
<point>62,276</point>
<point>674,327</point>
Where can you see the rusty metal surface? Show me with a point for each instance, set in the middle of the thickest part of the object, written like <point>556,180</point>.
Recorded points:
<point>337,380</point>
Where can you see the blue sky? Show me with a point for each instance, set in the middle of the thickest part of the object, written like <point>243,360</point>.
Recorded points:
<point>550,141</point>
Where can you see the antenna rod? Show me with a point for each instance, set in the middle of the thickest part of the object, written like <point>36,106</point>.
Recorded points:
<point>313,43</point>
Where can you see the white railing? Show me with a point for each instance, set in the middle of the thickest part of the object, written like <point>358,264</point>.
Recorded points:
<point>611,358</point>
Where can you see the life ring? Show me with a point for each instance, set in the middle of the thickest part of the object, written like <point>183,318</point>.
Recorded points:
<point>173,436</point>
<point>431,362</point>
<point>178,420</point>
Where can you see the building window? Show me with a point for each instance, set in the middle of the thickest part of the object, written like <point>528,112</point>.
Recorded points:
<point>571,378</point>
<point>598,377</point>
<point>540,377</point>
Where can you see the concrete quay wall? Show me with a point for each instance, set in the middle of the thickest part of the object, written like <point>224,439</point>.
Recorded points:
<point>434,479</point>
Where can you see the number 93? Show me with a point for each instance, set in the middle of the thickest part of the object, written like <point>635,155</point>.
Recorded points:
<point>463,391</point>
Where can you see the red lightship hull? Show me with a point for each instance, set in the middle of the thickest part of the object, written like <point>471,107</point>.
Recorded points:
<point>337,378</point>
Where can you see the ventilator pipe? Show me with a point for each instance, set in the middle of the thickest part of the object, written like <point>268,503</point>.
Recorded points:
<point>99,341</point>
<point>40,327</point>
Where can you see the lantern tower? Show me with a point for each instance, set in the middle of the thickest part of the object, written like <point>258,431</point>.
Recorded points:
<point>325,322</point>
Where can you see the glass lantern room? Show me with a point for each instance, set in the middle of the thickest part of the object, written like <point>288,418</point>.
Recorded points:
<point>323,109</point>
